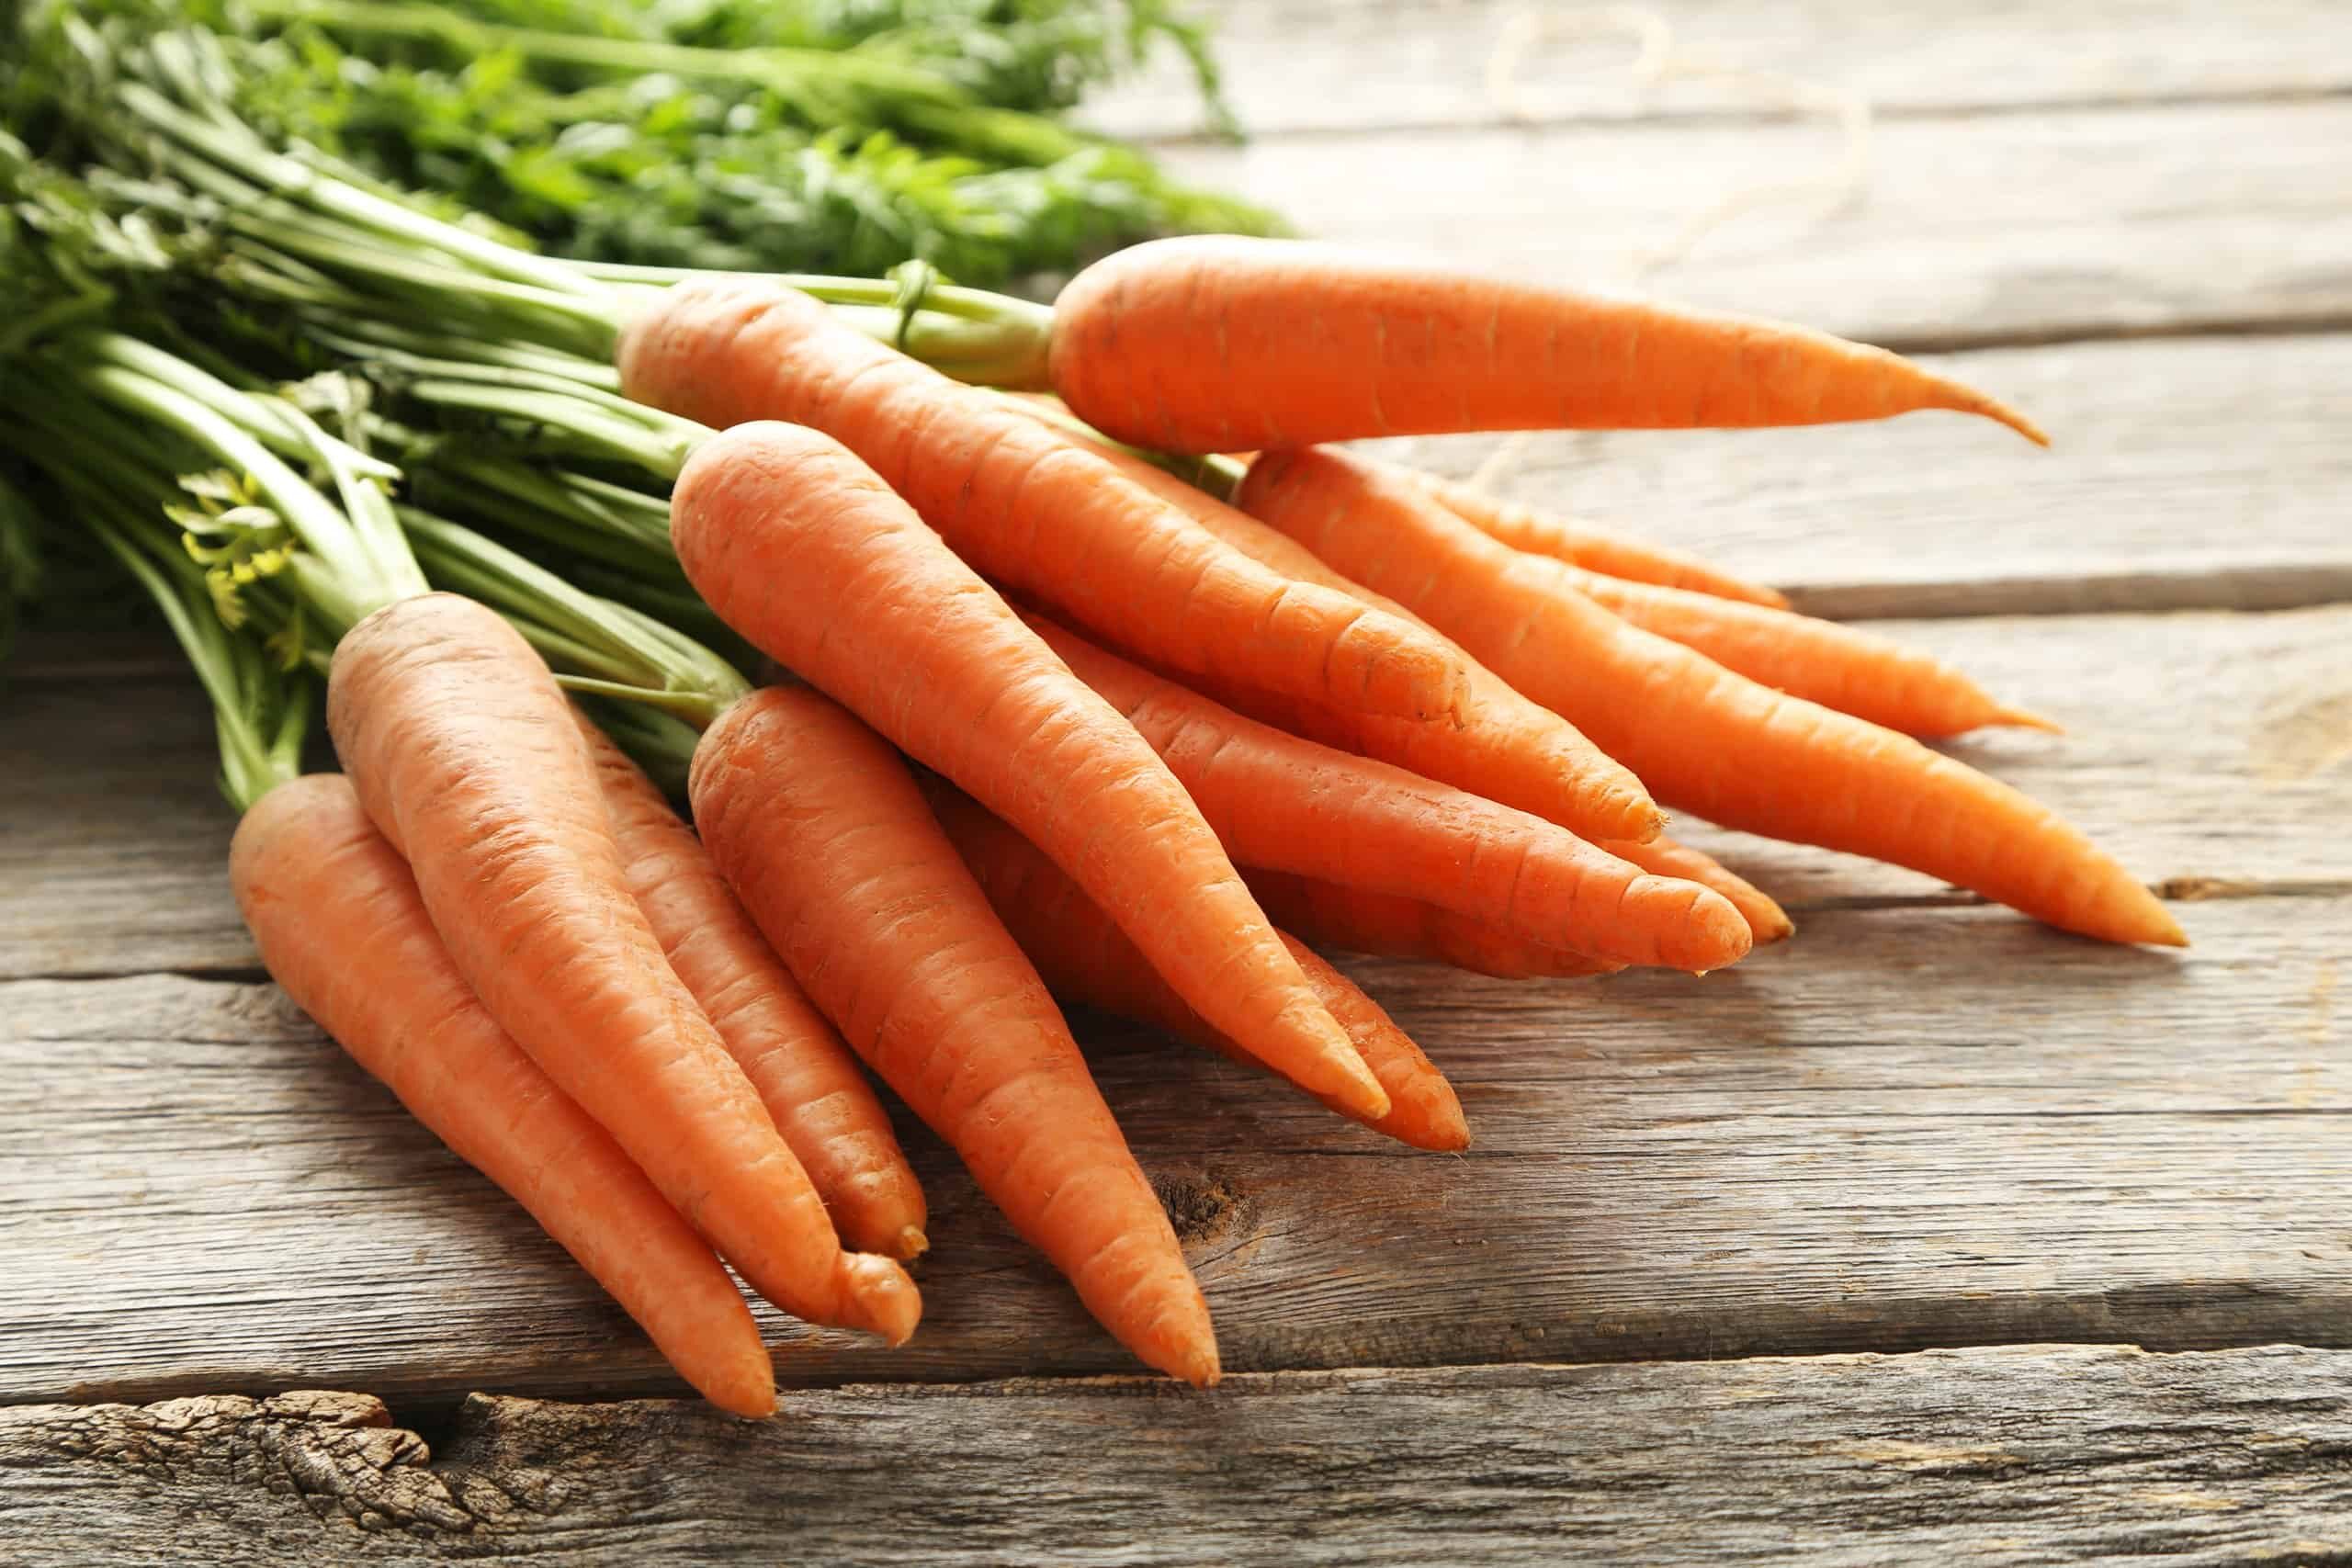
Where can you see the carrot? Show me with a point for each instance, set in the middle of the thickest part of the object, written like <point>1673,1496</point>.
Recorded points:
<point>1706,740</point>
<point>464,752</point>
<point>813,1088</point>
<point>1663,857</point>
<point>1290,805</point>
<point>1214,344</point>
<point>1505,748</point>
<point>1025,506</point>
<point>1595,549</point>
<point>1087,960</point>
<point>818,828</point>
<point>1844,668</point>
<point>1356,921</point>
<point>338,921</point>
<point>801,549</point>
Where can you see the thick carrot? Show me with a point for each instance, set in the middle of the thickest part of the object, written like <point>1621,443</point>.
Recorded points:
<point>1706,740</point>
<point>1356,921</point>
<point>338,921</point>
<point>1595,549</point>
<point>1844,668</point>
<point>805,552</point>
<point>820,831</point>
<point>1214,344</point>
<point>811,1084</point>
<point>1087,960</point>
<point>1505,748</point>
<point>1289,805</point>
<point>1663,856</point>
<point>464,752</point>
<point>1026,507</point>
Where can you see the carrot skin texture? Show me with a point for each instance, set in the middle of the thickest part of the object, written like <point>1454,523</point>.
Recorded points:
<point>812,1083</point>
<point>1290,805</point>
<point>1085,959</point>
<point>466,756</point>
<point>819,828</point>
<point>1218,344</point>
<point>804,551</point>
<point>1022,504</point>
<point>1506,747</point>
<point>1595,549</point>
<point>337,919</point>
<point>1706,740</point>
<point>1663,856</point>
<point>1354,920</point>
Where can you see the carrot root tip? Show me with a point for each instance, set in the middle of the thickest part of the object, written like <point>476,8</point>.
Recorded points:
<point>2022,718</point>
<point>910,1244</point>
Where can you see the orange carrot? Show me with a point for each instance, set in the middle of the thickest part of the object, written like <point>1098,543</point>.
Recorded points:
<point>464,752</point>
<point>1290,805</point>
<point>337,919</point>
<point>1214,344</point>
<point>822,833</point>
<point>1663,857</point>
<point>1705,739</point>
<point>1025,506</point>
<point>1087,960</point>
<point>1505,748</point>
<point>1595,549</point>
<point>1356,921</point>
<point>1846,668</point>
<point>812,1086</point>
<point>801,549</point>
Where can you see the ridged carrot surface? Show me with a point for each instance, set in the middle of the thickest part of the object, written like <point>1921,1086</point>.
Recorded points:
<point>1663,856</point>
<point>1220,344</point>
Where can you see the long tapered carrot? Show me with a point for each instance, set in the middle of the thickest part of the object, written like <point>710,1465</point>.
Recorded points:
<point>465,754</point>
<point>1841,666</point>
<point>1287,803</point>
<point>810,1082</point>
<point>1216,343</point>
<point>336,917</point>
<point>1663,856</point>
<point>1705,739</point>
<point>805,552</point>
<point>1355,919</point>
<point>822,831</point>
<point>1593,548</point>
<point>1026,507</point>
<point>1505,748</point>
<point>1084,958</point>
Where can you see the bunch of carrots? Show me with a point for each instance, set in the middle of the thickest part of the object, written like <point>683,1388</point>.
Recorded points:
<point>1126,687</point>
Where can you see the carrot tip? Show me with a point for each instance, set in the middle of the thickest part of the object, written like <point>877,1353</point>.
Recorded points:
<point>910,1244</point>
<point>2021,718</point>
<point>1199,1367</point>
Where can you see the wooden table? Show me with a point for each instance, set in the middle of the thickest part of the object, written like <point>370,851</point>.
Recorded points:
<point>1933,1233</point>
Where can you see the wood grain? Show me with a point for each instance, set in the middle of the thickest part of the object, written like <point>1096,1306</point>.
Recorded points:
<point>1309,65</point>
<point>1909,1128</point>
<point>2029,1456</point>
<point>2003,228</point>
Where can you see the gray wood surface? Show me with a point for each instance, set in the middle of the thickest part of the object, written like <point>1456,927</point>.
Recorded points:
<point>2031,1456</point>
<point>1324,65</point>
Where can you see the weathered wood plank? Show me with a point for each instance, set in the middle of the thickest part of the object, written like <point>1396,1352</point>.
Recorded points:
<point>1909,1128</point>
<point>2026,228</point>
<point>1302,65</point>
<point>2210,748</point>
<point>2029,1456</point>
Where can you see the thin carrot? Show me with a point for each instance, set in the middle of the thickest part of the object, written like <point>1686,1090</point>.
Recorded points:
<point>1663,856</point>
<point>1841,666</point>
<point>1289,805</point>
<point>1705,739</point>
<point>1214,344</point>
<point>338,921</point>
<point>1025,506</point>
<point>464,752</point>
<point>1505,748</point>
<point>1595,549</point>
<point>1355,919</point>
<point>805,553</point>
<point>1087,960</point>
<point>811,1084</point>
<point>820,831</point>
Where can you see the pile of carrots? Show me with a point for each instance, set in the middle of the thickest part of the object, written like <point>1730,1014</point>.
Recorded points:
<point>1068,717</point>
